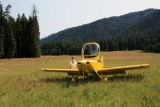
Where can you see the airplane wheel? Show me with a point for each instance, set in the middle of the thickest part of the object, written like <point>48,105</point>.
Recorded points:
<point>105,79</point>
<point>73,80</point>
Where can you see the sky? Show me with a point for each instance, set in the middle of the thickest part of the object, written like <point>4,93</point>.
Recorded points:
<point>57,15</point>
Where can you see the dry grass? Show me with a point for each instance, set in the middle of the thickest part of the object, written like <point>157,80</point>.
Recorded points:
<point>23,84</point>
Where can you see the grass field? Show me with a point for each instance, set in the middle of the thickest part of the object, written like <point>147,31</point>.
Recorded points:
<point>23,84</point>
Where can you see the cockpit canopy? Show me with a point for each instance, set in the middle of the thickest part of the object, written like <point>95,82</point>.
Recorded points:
<point>90,50</point>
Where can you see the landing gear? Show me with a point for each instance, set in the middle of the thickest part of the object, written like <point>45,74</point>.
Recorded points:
<point>105,79</point>
<point>102,77</point>
<point>92,77</point>
<point>74,79</point>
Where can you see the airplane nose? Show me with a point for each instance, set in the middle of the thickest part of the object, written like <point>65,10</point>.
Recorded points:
<point>79,63</point>
<point>87,62</point>
<point>83,63</point>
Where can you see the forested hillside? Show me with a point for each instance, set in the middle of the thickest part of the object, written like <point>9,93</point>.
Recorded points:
<point>138,30</point>
<point>144,34</point>
<point>19,37</point>
<point>98,30</point>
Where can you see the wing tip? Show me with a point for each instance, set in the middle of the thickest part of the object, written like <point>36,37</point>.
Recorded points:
<point>43,69</point>
<point>145,65</point>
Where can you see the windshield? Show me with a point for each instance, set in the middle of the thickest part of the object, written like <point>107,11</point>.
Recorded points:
<point>91,50</point>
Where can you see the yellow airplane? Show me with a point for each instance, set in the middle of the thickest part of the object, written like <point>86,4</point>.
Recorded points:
<point>91,63</point>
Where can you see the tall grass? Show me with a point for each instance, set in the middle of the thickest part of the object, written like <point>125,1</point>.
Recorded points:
<point>23,84</point>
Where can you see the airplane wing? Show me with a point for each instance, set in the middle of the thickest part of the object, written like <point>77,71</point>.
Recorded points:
<point>120,69</point>
<point>61,70</point>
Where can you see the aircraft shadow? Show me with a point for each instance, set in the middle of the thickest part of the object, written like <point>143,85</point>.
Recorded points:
<point>127,78</point>
<point>116,78</point>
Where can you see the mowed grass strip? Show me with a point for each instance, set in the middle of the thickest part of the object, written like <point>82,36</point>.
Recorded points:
<point>23,84</point>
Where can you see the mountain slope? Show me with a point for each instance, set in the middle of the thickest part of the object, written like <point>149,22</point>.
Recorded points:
<point>100,29</point>
<point>147,26</point>
<point>133,31</point>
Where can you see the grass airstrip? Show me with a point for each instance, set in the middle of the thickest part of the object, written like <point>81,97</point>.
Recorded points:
<point>23,84</point>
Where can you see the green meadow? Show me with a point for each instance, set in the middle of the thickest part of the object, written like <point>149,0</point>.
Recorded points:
<point>23,84</point>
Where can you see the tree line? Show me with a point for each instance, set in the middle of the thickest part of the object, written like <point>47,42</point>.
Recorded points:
<point>63,47</point>
<point>19,37</point>
<point>146,44</point>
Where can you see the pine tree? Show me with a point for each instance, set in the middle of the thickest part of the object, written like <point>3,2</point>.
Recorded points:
<point>1,41</point>
<point>19,38</point>
<point>1,30</point>
<point>18,32</point>
<point>9,42</point>
<point>9,39</point>
<point>34,36</point>
<point>23,25</point>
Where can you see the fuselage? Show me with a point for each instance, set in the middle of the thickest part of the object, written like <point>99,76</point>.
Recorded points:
<point>89,66</point>
<point>90,58</point>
